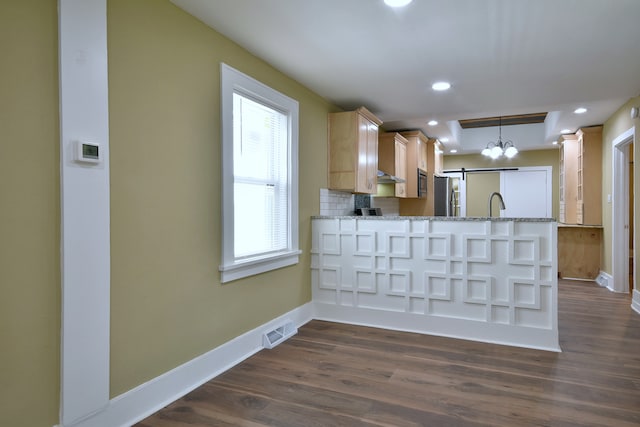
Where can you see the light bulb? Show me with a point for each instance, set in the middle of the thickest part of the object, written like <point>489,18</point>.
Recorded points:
<point>510,152</point>
<point>496,152</point>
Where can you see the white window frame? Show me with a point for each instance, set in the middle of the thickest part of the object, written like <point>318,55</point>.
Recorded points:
<point>232,268</point>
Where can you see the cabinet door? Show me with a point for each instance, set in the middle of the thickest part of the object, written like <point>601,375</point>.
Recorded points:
<point>568,197</point>
<point>362,150</point>
<point>367,156</point>
<point>437,158</point>
<point>401,168</point>
<point>422,155</point>
<point>590,176</point>
<point>580,186</point>
<point>372,157</point>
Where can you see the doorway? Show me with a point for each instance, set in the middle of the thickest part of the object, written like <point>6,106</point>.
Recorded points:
<point>622,244</point>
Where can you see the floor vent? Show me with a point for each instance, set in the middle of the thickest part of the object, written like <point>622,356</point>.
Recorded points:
<point>275,336</point>
<point>601,280</point>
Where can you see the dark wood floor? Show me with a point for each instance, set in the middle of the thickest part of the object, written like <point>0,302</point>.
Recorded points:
<point>339,375</point>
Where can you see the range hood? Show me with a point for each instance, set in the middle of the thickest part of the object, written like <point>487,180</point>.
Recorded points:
<point>385,178</point>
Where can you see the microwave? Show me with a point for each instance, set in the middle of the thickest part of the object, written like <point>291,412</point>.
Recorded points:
<point>422,183</point>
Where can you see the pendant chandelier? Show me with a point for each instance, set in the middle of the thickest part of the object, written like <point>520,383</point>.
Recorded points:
<point>500,148</point>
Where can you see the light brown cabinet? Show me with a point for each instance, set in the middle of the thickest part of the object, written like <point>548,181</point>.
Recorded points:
<point>392,159</point>
<point>438,157</point>
<point>580,177</point>
<point>417,158</point>
<point>353,151</point>
<point>579,251</point>
<point>568,178</point>
<point>589,168</point>
<point>425,154</point>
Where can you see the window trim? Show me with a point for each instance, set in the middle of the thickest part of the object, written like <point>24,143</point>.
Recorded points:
<point>232,268</point>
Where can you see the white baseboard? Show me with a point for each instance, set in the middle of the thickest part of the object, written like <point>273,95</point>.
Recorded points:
<point>493,333</point>
<point>148,398</point>
<point>635,302</point>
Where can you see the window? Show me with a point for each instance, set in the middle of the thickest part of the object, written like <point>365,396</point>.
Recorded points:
<point>259,177</point>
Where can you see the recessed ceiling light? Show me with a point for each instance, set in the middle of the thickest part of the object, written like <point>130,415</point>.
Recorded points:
<point>397,3</point>
<point>453,151</point>
<point>580,110</point>
<point>564,131</point>
<point>444,139</point>
<point>441,86</point>
<point>554,142</point>
<point>432,123</point>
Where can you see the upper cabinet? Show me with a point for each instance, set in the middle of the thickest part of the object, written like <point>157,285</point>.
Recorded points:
<point>353,151</point>
<point>392,159</point>
<point>568,178</point>
<point>426,155</point>
<point>589,168</point>
<point>580,177</point>
<point>438,157</point>
<point>417,158</point>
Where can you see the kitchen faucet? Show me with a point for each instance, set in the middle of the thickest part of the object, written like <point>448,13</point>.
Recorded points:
<point>502,206</point>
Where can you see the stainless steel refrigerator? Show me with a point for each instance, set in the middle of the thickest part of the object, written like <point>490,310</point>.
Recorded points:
<point>444,196</point>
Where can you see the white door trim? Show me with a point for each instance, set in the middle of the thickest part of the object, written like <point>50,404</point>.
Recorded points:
<point>620,211</point>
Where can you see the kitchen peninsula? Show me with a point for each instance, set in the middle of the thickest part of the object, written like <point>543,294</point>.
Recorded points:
<point>484,279</point>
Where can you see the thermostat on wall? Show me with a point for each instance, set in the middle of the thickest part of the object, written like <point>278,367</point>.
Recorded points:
<point>87,152</point>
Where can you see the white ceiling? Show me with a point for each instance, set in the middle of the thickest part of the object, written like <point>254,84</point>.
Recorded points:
<point>502,57</point>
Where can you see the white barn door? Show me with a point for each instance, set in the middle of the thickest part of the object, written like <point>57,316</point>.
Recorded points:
<point>527,192</point>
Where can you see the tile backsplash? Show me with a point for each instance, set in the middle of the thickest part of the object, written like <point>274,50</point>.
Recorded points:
<point>388,205</point>
<point>341,203</point>
<point>336,202</point>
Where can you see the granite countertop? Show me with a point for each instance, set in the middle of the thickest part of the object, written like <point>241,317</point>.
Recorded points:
<point>432,218</point>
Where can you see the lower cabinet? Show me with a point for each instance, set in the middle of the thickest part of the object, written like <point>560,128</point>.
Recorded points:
<point>579,250</point>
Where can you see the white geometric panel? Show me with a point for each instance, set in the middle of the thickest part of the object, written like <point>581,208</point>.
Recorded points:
<point>417,305</point>
<point>501,293</point>
<point>439,287</point>
<point>365,281</point>
<point>436,266</point>
<point>417,287</point>
<point>526,293</point>
<point>476,290</point>
<point>329,277</point>
<point>524,251</point>
<point>399,283</point>
<point>455,268</point>
<point>438,246</point>
<point>398,245</point>
<point>546,273</point>
<point>449,271</point>
<point>330,243</point>
<point>500,315</point>
<point>346,298</point>
<point>365,243</point>
<point>477,249</point>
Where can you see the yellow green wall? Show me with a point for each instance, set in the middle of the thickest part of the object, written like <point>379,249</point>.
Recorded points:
<point>29,214</point>
<point>480,185</point>
<point>167,303</point>
<point>617,124</point>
